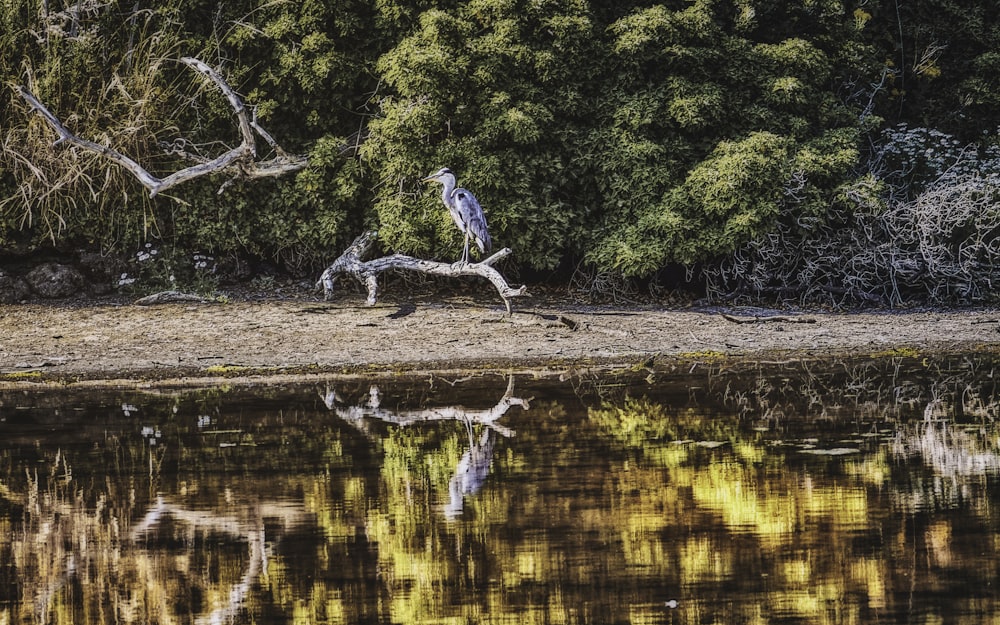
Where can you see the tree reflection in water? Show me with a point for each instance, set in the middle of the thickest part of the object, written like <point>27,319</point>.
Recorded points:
<point>857,494</point>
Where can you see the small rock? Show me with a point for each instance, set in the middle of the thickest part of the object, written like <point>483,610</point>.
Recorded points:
<point>54,281</point>
<point>101,271</point>
<point>12,288</point>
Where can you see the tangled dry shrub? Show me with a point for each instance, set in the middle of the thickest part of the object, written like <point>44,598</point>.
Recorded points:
<point>922,228</point>
<point>597,285</point>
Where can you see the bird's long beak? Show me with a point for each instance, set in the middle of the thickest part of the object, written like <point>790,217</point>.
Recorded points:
<point>431,178</point>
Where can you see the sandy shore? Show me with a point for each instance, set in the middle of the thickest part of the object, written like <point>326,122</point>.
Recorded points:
<point>125,341</point>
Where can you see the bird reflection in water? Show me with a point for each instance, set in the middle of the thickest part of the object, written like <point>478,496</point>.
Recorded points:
<point>471,472</point>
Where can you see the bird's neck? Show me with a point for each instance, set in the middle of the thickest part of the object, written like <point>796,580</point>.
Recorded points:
<point>447,186</point>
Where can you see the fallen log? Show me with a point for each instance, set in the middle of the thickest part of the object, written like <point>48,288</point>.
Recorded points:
<point>351,263</point>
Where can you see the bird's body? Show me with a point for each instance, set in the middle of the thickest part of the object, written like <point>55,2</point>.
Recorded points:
<point>465,211</point>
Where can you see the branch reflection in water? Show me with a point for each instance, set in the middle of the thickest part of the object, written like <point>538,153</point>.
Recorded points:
<point>249,528</point>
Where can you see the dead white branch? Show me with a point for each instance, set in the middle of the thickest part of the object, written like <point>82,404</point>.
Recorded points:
<point>367,271</point>
<point>241,157</point>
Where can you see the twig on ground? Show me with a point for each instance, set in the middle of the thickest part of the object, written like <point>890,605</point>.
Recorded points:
<point>781,318</point>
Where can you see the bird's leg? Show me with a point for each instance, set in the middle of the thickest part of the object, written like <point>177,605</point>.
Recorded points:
<point>469,430</point>
<point>462,262</point>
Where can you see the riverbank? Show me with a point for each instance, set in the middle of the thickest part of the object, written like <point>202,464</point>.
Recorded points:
<point>123,341</point>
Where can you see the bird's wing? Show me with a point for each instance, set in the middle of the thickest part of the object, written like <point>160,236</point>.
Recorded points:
<point>473,217</point>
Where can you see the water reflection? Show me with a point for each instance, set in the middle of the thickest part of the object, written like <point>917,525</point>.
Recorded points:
<point>862,493</point>
<point>166,524</point>
<point>474,465</point>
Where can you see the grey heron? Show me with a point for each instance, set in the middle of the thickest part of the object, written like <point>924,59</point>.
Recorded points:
<point>465,211</point>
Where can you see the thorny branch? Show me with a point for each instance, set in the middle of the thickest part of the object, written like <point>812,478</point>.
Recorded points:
<point>241,157</point>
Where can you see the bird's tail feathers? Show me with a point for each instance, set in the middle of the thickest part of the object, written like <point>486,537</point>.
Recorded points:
<point>481,235</point>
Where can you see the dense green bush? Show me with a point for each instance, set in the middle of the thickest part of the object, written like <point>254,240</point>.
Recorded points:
<point>721,112</point>
<point>500,92</point>
<point>617,142</point>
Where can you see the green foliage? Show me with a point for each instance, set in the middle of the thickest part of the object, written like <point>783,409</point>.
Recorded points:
<point>623,148</point>
<point>722,202</point>
<point>508,134</point>
<point>295,219</point>
<point>714,119</point>
<point>628,135</point>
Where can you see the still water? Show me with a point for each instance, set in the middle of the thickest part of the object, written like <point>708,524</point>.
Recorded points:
<point>854,492</point>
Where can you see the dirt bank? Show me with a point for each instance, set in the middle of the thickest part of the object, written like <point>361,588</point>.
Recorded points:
<point>125,341</point>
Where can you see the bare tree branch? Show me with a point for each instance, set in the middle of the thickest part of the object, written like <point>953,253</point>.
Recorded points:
<point>367,271</point>
<point>242,156</point>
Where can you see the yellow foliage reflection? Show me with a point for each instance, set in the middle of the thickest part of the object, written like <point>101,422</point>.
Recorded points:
<point>362,507</point>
